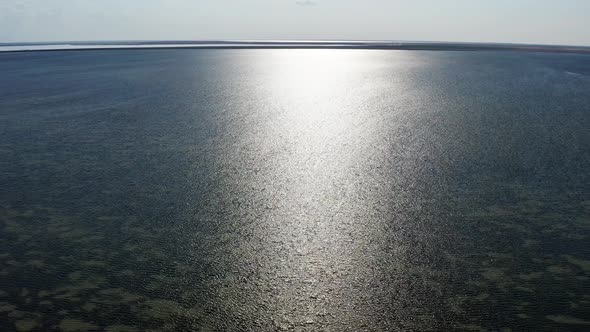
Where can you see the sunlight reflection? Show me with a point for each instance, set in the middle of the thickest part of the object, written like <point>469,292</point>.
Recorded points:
<point>319,118</point>
<point>306,179</point>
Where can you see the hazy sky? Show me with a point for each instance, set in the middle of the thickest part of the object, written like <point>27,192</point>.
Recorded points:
<point>526,21</point>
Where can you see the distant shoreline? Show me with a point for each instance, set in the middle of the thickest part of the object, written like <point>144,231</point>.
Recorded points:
<point>361,45</point>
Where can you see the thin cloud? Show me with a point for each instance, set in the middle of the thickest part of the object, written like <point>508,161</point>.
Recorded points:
<point>305,3</point>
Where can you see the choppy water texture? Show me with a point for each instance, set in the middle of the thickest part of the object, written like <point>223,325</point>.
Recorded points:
<point>297,190</point>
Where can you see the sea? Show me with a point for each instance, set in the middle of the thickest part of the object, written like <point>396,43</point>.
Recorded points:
<point>294,190</point>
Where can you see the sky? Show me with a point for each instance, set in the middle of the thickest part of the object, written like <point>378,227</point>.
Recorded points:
<point>562,22</point>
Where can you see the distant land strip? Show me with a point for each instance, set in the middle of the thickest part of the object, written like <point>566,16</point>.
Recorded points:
<point>230,44</point>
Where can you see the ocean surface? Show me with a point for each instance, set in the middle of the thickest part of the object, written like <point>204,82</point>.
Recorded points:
<point>294,190</point>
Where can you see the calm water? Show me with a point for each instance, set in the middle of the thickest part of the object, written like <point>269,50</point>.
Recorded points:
<point>297,190</point>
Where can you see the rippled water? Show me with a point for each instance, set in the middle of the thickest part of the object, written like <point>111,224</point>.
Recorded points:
<point>303,190</point>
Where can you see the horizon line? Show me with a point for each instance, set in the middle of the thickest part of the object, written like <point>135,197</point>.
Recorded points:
<point>295,41</point>
<point>287,44</point>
